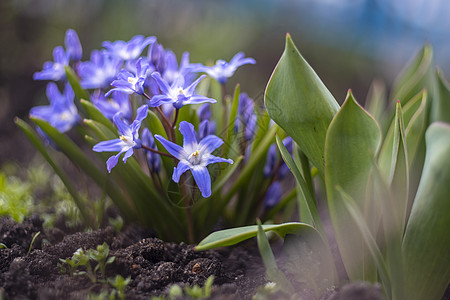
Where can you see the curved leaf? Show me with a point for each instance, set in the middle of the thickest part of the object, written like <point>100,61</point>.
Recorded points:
<point>233,236</point>
<point>298,101</point>
<point>353,139</point>
<point>426,244</point>
<point>440,107</point>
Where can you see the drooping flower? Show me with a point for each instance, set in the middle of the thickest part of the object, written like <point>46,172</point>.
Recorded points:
<point>62,112</point>
<point>128,50</point>
<point>128,140</point>
<point>206,126</point>
<point>119,102</point>
<point>153,159</point>
<point>54,70</point>
<point>73,45</point>
<point>194,156</point>
<point>177,93</point>
<point>131,83</point>
<point>222,70</point>
<point>100,71</point>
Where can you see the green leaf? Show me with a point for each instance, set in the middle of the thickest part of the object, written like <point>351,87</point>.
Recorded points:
<point>426,244</point>
<point>69,148</point>
<point>298,101</point>
<point>417,75</point>
<point>80,93</point>
<point>273,273</point>
<point>233,236</point>
<point>309,204</point>
<point>440,107</point>
<point>376,100</point>
<point>96,115</point>
<point>352,142</point>
<point>355,213</point>
<point>232,120</point>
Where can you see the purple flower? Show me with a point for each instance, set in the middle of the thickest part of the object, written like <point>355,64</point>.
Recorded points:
<point>128,140</point>
<point>54,70</point>
<point>131,83</point>
<point>222,70</point>
<point>246,117</point>
<point>100,71</point>
<point>73,45</point>
<point>273,194</point>
<point>177,93</point>
<point>153,160</point>
<point>194,156</point>
<point>110,106</point>
<point>62,112</point>
<point>272,160</point>
<point>128,50</point>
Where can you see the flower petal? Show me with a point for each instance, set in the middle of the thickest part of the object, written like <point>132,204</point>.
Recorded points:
<point>172,148</point>
<point>163,86</point>
<point>214,159</point>
<point>121,125</point>
<point>203,180</point>
<point>127,154</point>
<point>189,138</point>
<point>178,171</point>
<point>210,143</point>
<point>109,146</point>
<point>112,162</point>
<point>191,88</point>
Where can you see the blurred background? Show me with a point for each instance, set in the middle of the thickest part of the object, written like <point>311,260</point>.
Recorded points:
<point>347,42</point>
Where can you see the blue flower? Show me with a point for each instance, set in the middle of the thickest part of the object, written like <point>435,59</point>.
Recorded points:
<point>194,156</point>
<point>54,70</point>
<point>275,166</point>
<point>246,117</point>
<point>131,83</point>
<point>177,93</point>
<point>110,106</point>
<point>128,50</point>
<point>153,160</point>
<point>62,112</point>
<point>100,71</point>
<point>128,140</point>
<point>73,45</point>
<point>222,70</point>
<point>273,194</point>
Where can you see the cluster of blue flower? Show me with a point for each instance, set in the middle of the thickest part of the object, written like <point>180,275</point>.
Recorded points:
<point>166,86</point>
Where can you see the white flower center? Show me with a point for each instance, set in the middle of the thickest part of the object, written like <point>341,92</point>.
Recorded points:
<point>132,80</point>
<point>195,157</point>
<point>127,140</point>
<point>65,116</point>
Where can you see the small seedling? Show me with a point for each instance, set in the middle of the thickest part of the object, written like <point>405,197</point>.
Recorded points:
<point>32,241</point>
<point>119,283</point>
<point>3,246</point>
<point>101,257</point>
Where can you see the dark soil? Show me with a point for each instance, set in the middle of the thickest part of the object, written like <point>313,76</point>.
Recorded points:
<point>153,265</point>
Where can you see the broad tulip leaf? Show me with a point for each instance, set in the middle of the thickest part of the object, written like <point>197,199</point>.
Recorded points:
<point>426,244</point>
<point>440,107</point>
<point>298,101</point>
<point>309,204</point>
<point>355,213</point>
<point>408,112</point>
<point>273,273</point>
<point>417,75</point>
<point>233,236</point>
<point>352,142</point>
<point>376,100</point>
